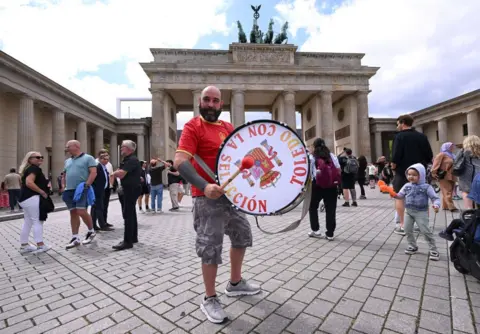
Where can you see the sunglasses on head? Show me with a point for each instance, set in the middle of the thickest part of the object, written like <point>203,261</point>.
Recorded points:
<point>37,157</point>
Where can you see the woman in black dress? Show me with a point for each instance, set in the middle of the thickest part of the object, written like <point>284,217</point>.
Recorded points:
<point>34,186</point>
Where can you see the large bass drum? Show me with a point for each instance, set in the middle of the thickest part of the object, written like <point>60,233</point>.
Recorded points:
<point>277,182</point>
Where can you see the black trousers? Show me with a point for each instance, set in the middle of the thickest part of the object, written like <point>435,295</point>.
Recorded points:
<point>13,198</point>
<point>329,197</point>
<point>130,196</point>
<point>106,202</point>
<point>361,183</point>
<point>97,212</point>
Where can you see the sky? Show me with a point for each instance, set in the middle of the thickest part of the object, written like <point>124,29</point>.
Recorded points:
<point>427,50</point>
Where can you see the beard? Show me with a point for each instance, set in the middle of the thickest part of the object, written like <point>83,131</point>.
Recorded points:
<point>210,114</point>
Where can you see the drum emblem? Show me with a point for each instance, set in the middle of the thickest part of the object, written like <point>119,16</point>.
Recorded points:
<point>263,168</point>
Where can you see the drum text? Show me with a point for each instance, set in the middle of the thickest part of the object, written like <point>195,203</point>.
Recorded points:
<point>250,204</point>
<point>300,164</point>
<point>253,131</point>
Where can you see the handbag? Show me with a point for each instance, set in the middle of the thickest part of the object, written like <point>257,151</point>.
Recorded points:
<point>459,164</point>
<point>441,174</point>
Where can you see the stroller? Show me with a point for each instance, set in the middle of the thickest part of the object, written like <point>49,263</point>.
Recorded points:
<point>465,249</point>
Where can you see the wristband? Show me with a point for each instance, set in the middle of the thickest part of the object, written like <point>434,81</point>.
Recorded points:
<point>188,172</point>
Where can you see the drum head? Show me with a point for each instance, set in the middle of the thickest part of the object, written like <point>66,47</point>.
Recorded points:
<point>277,181</point>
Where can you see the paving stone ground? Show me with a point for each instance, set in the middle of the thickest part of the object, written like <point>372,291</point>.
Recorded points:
<point>360,283</point>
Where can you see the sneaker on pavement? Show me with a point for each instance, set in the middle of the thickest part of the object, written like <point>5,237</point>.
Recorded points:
<point>329,238</point>
<point>434,255</point>
<point>73,243</point>
<point>315,234</point>
<point>89,238</point>
<point>243,288</point>
<point>354,204</point>
<point>27,249</point>
<point>411,250</point>
<point>42,249</point>
<point>399,230</point>
<point>213,310</point>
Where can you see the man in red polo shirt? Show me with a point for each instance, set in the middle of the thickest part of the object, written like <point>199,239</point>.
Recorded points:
<point>212,213</point>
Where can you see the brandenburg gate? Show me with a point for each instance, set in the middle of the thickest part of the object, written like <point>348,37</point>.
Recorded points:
<point>330,90</point>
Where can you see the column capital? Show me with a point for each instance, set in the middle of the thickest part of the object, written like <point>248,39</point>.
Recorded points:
<point>323,93</point>
<point>362,92</point>
<point>157,91</point>
<point>288,91</point>
<point>196,91</point>
<point>238,91</point>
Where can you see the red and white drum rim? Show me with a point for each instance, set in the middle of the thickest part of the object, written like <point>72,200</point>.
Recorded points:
<point>277,182</point>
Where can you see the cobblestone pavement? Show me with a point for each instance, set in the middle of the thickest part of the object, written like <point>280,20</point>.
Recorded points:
<point>360,283</point>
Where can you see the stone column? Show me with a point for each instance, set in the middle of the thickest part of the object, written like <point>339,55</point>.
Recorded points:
<point>157,136</point>
<point>378,145</point>
<point>442,131</point>
<point>26,128</point>
<point>82,134</point>
<point>99,144</point>
<point>419,128</point>
<point>327,119</point>
<point>473,123</point>
<point>363,125</point>
<point>289,109</point>
<point>238,108</point>
<point>58,144</point>
<point>196,98</point>
<point>114,150</point>
<point>140,146</point>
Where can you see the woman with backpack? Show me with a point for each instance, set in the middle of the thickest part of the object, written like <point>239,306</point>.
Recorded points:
<point>326,178</point>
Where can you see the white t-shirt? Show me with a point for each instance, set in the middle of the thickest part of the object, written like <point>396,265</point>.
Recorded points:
<point>371,170</point>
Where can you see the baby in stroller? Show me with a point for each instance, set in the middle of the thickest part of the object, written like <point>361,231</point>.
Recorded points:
<point>465,249</point>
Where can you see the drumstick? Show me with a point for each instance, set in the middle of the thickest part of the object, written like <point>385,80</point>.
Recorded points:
<point>247,163</point>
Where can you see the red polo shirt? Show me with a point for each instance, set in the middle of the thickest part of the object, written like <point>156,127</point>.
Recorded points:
<point>204,139</point>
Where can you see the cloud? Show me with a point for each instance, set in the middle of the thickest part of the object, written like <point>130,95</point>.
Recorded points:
<point>215,46</point>
<point>427,50</point>
<point>60,38</point>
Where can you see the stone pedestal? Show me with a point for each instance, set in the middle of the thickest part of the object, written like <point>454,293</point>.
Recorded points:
<point>82,134</point>
<point>140,147</point>
<point>442,131</point>
<point>289,109</point>
<point>238,108</point>
<point>196,102</point>
<point>114,150</point>
<point>99,144</point>
<point>26,128</point>
<point>327,119</point>
<point>473,123</point>
<point>58,144</point>
<point>378,145</point>
<point>157,137</point>
<point>363,125</point>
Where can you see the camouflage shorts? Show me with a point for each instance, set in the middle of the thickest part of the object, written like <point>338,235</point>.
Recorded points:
<point>214,218</point>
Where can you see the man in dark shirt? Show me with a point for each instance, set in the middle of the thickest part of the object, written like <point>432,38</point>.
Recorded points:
<point>174,185</point>
<point>129,174</point>
<point>409,147</point>
<point>157,166</point>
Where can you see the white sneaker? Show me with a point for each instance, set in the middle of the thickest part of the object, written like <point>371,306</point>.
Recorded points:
<point>89,238</point>
<point>315,234</point>
<point>73,243</point>
<point>158,211</point>
<point>42,249</point>
<point>27,249</point>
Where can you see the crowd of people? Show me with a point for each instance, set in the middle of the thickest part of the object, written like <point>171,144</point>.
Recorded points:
<point>88,182</point>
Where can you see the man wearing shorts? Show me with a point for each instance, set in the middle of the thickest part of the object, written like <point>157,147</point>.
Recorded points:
<point>79,168</point>
<point>213,214</point>
<point>409,147</point>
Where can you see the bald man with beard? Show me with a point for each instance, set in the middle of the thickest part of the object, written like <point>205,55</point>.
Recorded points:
<point>213,214</point>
